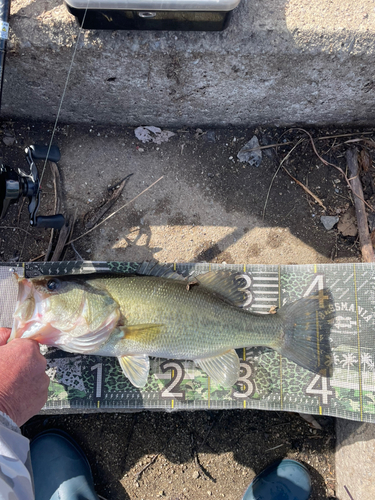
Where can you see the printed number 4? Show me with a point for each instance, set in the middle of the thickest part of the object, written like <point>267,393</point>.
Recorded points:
<point>324,392</point>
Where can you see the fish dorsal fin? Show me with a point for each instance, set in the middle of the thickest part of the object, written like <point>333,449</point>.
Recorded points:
<point>230,286</point>
<point>224,368</point>
<point>160,270</point>
<point>135,368</point>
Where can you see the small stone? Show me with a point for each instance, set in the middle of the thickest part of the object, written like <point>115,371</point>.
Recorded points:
<point>209,493</point>
<point>195,474</point>
<point>329,221</point>
<point>8,141</point>
<point>210,136</point>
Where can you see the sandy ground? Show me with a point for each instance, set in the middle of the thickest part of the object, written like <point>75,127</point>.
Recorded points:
<point>207,206</point>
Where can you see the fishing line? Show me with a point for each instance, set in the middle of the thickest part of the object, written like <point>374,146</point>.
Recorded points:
<point>59,109</point>
<point>64,91</point>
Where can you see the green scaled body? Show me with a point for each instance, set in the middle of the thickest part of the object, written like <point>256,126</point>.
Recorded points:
<point>191,324</point>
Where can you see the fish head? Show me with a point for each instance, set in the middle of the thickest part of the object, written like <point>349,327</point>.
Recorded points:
<point>59,311</point>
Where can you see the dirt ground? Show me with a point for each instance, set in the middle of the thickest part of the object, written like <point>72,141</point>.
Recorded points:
<point>209,207</point>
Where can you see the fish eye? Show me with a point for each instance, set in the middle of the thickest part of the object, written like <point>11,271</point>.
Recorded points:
<point>53,284</point>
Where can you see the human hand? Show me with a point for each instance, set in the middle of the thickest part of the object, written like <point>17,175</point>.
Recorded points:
<point>23,381</point>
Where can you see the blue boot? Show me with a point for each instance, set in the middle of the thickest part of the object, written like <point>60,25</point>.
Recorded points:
<point>283,480</point>
<point>61,470</point>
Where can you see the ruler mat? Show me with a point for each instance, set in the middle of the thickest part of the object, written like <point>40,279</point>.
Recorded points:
<point>267,381</point>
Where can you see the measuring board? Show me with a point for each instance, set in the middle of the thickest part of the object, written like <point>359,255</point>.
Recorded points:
<point>267,380</point>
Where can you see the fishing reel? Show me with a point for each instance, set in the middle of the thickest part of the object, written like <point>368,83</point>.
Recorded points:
<point>15,184</point>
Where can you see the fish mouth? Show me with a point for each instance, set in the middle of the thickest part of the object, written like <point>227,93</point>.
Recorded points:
<point>33,319</point>
<point>27,318</point>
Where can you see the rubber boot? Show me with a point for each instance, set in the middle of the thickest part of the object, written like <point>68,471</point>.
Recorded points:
<point>283,480</point>
<point>60,468</point>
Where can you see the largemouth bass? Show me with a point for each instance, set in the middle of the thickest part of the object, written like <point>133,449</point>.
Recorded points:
<point>133,317</point>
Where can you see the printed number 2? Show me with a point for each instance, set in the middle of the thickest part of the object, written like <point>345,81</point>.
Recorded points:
<point>324,392</point>
<point>171,391</point>
<point>99,379</point>
<point>245,381</point>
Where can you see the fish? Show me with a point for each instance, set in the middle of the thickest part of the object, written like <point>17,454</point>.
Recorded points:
<point>157,312</point>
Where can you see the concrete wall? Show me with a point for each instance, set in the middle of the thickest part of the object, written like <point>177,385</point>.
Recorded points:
<point>278,62</point>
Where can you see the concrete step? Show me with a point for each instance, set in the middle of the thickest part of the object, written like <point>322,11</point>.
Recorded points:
<point>278,62</point>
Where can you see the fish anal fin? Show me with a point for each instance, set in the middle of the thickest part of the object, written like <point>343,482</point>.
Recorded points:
<point>135,368</point>
<point>231,286</point>
<point>223,368</point>
<point>144,332</point>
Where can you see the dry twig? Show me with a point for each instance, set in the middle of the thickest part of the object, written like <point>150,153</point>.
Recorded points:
<point>138,476</point>
<point>115,212</point>
<point>275,174</point>
<point>16,228</point>
<point>360,210</point>
<point>57,207</point>
<point>327,163</point>
<point>116,192</point>
<point>65,232</point>
<point>109,216</point>
<point>348,492</point>
<point>194,453</point>
<point>318,200</point>
<point>278,144</point>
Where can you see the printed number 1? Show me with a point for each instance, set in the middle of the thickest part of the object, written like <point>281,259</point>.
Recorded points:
<point>99,378</point>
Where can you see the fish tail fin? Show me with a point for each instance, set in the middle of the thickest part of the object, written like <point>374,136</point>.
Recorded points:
<point>307,324</point>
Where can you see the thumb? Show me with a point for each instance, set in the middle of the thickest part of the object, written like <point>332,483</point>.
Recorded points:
<point>4,335</point>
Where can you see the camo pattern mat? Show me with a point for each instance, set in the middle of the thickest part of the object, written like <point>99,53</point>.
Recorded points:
<point>267,380</point>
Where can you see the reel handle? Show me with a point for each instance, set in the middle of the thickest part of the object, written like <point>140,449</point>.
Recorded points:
<point>52,221</point>
<point>40,153</point>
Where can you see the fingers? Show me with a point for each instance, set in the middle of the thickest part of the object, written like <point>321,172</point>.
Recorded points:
<point>45,384</point>
<point>23,381</point>
<point>30,349</point>
<point>4,335</point>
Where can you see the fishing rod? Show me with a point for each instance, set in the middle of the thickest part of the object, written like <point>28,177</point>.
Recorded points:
<point>20,182</point>
<point>4,29</point>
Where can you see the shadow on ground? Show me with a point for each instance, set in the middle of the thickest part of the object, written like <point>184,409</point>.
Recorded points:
<point>197,453</point>
<point>208,206</point>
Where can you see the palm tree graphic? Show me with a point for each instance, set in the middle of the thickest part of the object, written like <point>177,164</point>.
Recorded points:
<point>366,360</point>
<point>348,361</point>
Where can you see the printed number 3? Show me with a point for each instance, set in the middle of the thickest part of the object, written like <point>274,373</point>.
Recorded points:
<point>245,381</point>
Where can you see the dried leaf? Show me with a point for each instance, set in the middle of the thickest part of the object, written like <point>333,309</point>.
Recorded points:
<point>364,160</point>
<point>348,224</point>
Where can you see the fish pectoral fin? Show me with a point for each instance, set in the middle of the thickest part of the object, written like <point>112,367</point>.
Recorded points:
<point>135,368</point>
<point>224,368</point>
<point>146,332</point>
